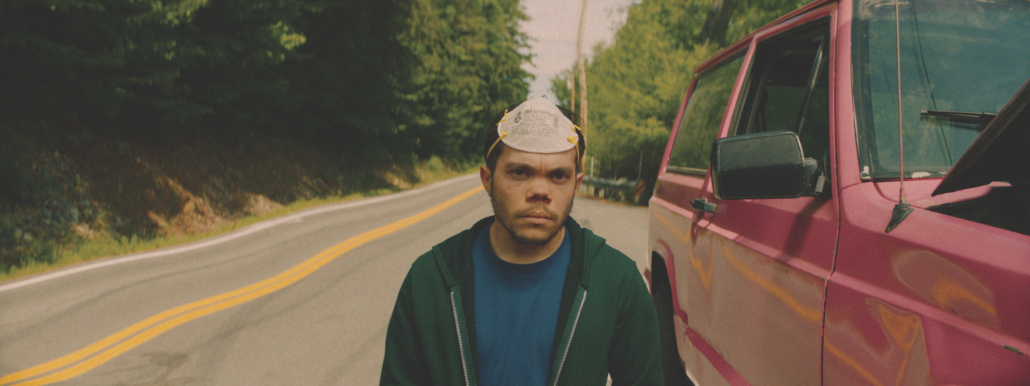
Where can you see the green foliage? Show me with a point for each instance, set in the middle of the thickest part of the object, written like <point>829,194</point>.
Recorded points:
<point>636,85</point>
<point>367,79</point>
<point>469,69</point>
<point>342,81</point>
<point>163,60</point>
<point>18,259</point>
<point>16,153</point>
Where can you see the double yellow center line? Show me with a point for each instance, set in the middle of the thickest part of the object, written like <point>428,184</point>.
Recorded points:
<point>96,354</point>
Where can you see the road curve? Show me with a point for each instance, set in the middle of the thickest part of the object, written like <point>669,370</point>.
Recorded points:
<point>299,300</point>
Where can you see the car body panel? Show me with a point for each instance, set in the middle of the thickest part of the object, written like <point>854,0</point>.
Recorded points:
<point>904,304</point>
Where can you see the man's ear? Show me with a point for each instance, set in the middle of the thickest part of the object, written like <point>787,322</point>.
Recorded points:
<point>579,180</point>
<point>487,177</point>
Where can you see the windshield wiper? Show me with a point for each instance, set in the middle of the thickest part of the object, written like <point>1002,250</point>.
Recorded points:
<point>961,116</point>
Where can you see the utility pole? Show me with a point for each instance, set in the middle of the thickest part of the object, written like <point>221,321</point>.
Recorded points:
<point>582,72</point>
<point>640,167</point>
<point>572,89</point>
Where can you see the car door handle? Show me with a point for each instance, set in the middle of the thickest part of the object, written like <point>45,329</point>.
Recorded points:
<point>703,205</point>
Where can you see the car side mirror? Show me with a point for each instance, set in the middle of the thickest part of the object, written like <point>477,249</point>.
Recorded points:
<point>763,165</point>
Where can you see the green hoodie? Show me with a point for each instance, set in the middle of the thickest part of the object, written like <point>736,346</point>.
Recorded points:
<point>606,323</point>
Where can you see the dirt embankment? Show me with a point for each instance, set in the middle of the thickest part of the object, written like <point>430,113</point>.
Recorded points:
<point>63,181</point>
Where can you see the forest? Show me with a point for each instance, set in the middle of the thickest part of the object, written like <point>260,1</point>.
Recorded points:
<point>636,84</point>
<point>133,119</point>
<point>371,78</point>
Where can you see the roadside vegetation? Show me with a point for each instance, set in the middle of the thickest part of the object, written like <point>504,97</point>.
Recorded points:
<point>130,125</point>
<point>636,84</point>
<point>40,255</point>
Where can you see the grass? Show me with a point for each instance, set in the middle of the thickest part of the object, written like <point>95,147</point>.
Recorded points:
<point>85,250</point>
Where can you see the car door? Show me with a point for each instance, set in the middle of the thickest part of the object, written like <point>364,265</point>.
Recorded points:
<point>771,257</point>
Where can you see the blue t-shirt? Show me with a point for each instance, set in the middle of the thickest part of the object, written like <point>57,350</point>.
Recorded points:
<point>516,313</point>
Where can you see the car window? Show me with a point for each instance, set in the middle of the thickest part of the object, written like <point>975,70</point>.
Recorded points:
<point>702,116</point>
<point>788,89</point>
<point>961,62</point>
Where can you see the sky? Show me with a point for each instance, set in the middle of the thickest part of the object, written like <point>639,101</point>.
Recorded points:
<point>553,27</point>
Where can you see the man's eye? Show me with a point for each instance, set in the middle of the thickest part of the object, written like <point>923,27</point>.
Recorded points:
<point>560,177</point>
<point>518,172</point>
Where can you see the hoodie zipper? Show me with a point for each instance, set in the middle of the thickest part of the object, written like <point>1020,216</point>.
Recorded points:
<point>461,348</point>
<point>568,342</point>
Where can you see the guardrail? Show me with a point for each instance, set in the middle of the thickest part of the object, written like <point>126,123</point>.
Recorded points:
<point>605,188</point>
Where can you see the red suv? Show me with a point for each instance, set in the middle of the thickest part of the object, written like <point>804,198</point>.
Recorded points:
<point>790,244</point>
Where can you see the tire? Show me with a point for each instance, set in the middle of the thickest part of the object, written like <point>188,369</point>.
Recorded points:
<point>661,295</point>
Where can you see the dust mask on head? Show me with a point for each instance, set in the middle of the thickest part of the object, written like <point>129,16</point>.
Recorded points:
<point>537,126</point>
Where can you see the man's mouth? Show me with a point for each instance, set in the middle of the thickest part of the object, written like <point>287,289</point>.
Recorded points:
<point>537,217</point>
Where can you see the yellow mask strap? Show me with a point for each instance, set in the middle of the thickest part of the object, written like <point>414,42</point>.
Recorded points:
<point>576,129</point>
<point>503,134</point>
<point>574,139</point>
<point>499,137</point>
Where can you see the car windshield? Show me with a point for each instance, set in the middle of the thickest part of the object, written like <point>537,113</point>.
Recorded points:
<point>961,61</point>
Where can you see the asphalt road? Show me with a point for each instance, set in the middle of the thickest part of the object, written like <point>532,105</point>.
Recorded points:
<point>230,311</point>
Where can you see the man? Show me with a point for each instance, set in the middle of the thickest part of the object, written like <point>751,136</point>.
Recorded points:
<point>526,297</point>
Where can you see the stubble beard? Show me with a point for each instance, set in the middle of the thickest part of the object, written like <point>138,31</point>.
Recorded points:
<point>507,220</point>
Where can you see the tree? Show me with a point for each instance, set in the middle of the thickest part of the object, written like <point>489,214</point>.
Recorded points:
<point>469,57</point>
<point>163,60</point>
<point>639,81</point>
<point>366,79</point>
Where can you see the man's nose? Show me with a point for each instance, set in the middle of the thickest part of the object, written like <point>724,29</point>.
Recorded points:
<point>540,190</point>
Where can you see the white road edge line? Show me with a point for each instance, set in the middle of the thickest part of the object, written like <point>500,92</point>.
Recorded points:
<point>230,236</point>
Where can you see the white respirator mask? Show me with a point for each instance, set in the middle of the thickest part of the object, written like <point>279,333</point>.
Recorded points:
<point>537,126</point>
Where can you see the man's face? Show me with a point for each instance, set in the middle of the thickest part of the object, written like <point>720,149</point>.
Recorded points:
<point>532,193</point>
